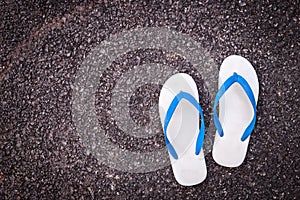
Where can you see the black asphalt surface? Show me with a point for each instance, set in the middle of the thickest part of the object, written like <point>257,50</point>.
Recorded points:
<point>42,44</point>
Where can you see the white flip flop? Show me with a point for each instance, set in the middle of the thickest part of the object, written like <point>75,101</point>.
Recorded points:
<point>237,98</point>
<point>179,113</point>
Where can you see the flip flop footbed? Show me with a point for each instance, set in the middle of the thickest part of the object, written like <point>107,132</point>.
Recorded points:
<point>235,112</point>
<point>183,129</point>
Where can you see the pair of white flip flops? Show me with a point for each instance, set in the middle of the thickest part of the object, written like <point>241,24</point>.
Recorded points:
<point>180,112</point>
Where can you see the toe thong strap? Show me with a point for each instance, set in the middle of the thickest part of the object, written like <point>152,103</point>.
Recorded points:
<point>180,96</point>
<point>235,78</point>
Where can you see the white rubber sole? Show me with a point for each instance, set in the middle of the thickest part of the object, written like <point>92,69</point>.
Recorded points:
<point>235,112</point>
<point>189,169</point>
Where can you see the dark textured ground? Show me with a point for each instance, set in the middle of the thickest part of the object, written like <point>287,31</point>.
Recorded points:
<point>42,44</point>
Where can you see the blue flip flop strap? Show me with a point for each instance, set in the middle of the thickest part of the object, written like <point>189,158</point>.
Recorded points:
<point>183,95</point>
<point>235,78</point>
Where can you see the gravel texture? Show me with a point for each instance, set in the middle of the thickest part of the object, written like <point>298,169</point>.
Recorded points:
<point>42,45</point>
